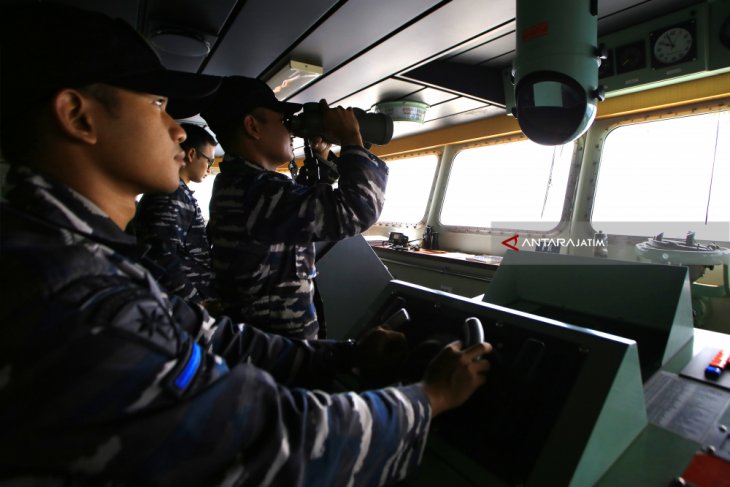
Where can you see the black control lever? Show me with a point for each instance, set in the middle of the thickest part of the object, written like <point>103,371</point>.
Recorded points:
<point>392,308</point>
<point>397,320</point>
<point>473,332</point>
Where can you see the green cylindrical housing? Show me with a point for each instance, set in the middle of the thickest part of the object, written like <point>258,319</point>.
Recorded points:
<point>556,68</point>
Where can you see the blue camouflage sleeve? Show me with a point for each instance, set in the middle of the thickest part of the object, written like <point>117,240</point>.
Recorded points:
<point>128,394</point>
<point>277,209</point>
<point>351,433</point>
<point>161,223</point>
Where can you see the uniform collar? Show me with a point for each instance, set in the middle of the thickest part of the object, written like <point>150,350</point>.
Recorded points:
<point>57,205</point>
<point>181,185</point>
<point>238,165</point>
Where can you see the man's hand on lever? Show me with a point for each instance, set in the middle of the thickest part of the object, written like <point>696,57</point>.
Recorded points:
<point>454,374</point>
<point>379,354</point>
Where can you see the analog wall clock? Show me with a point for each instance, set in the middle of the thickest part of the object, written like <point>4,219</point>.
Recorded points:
<point>673,45</point>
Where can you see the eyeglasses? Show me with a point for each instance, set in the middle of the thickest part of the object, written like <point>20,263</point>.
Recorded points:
<point>210,160</point>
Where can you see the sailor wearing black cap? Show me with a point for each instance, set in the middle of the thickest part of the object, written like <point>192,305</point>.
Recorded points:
<point>263,224</point>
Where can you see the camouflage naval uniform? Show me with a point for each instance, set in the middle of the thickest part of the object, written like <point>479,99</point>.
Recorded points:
<point>174,229</point>
<point>105,378</point>
<point>262,227</point>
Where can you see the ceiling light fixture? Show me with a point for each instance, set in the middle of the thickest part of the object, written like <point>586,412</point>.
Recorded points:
<point>403,110</point>
<point>181,43</point>
<point>292,77</point>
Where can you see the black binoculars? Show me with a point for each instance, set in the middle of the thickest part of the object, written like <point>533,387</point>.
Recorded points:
<point>375,128</point>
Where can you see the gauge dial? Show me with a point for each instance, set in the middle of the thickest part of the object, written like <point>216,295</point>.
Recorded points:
<point>673,45</point>
<point>631,57</point>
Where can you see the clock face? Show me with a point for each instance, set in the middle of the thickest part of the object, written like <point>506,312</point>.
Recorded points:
<point>673,45</point>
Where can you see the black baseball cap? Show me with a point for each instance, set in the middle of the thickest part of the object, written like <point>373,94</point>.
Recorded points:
<point>47,47</point>
<point>239,95</point>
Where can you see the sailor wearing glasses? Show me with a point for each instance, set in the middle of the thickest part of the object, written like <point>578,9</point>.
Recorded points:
<point>173,228</point>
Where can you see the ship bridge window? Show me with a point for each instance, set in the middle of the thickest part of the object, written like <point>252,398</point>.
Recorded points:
<point>666,175</point>
<point>409,186</point>
<point>514,185</point>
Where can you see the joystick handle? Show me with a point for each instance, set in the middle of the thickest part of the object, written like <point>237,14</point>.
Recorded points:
<point>397,320</point>
<point>473,332</point>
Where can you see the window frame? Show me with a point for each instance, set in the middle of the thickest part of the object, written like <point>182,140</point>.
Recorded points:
<point>601,130</point>
<point>569,197</point>
<point>429,198</point>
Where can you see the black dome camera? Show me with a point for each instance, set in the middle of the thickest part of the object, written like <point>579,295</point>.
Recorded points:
<point>556,69</point>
